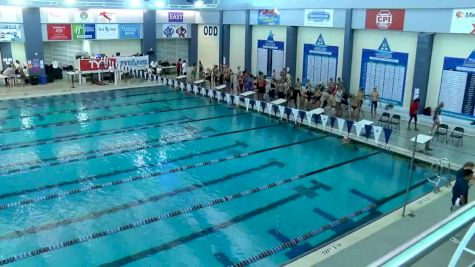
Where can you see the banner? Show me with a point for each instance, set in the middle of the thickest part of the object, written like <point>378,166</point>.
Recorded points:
<point>107,31</point>
<point>57,15</point>
<point>320,62</point>
<point>175,16</point>
<point>318,17</point>
<point>175,31</point>
<point>270,55</point>
<point>8,14</point>
<point>385,19</point>
<point>463,21</point>
<point>130,31</point>
<point>84,31</point>
<point>106,17</point>
<point>268,17</point>
<point>59,32</point>
<point>133,62</point>
<point>83,16</point>
<point>10,32</point>
<point>96,64</point>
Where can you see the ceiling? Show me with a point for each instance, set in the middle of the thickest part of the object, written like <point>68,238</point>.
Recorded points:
<point>142,4</point>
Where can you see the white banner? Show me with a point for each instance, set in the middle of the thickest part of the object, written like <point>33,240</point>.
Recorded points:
<point>10,32</point>
<point>9,14</point>
<point>258,105</point>
<point>309,117</point>
<point>358,127</point>
<point>175,31</point>
<point>57,15</point>
<point>281,111</point>
<point>107,31</point>
<point>377,133</point>
<point>269,108</point>
<point>324,120</point>
<point>228,98</point>
<point>83,16</point>
<point>188,87</point>
<point>133,62</point>
<point>247,100</point>
<point>341,123</point>
<point>318,17</point>
<point>195,89</point>
<point>463,21</point>
<point>106,16</point>
<point>295,113</point>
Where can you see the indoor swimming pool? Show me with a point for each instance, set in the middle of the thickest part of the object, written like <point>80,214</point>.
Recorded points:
<point>156,177</point>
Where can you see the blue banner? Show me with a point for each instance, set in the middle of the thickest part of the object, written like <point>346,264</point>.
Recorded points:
<point>89,31</point>
<point>320,62</point>
<point>129,31</point>
<point>268,17</point>
<point>385,70</point>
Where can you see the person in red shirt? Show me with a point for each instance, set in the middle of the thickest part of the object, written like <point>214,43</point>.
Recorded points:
<point>178,67</point>
<point>413,113</point>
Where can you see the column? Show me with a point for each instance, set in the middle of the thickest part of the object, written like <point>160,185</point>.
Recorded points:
<point>6,49</point>
<point>149,41</point>
<point>33,37</point>
<point>291,50</point>
<point>248,42</point>
<point>193,46</point>
<point>224,41</point>
<point>425,43</point>
<point>347,50</point>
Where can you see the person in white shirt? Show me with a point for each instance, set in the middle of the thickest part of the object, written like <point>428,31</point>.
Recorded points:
<point>10,75</point>
<point>338,96</point>
<point>184,68</point>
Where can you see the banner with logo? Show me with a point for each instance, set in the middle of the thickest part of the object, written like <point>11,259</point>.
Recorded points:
<point>268,17</point>
<point>463,21</point>
<point>10,32</point>
<point>318,17</point>
<point>210,30</point>
<point>320,62</point>
<point>270,55</point>
<point>133,62</point>
<point>8,15</point>
<point>84,31</point>
<point>59,32</point>
<point>56,15</point>
<point>83,16</point>
<point>130,31</point>
<point>96,64</point>
<point>175,17</point>
<point>385,19</point>
<point>175,31</point>
<point>106,16</point>
<point>107,31</point>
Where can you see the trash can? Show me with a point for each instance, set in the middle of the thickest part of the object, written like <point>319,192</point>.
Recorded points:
<point>43,79</point>
<point>34,80</point>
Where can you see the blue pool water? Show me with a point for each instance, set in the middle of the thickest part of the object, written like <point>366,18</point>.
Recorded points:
<point>150,176</point>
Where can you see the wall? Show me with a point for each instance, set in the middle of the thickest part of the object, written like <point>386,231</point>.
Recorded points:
<point>237,43</point>
<point>18,52</point>
<point>405,42</point>
<point>261,33</point>
<point>446,45</point>
<point>110,47</point>
<point>309,35</point>
<point>208,47</point>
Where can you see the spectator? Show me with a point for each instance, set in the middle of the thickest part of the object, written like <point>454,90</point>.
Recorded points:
<point>467,166</point>
<point>200,69</point>
<point>436,118</point>
<point>184,68</point>
<point>10,75</point>
<point>413,114</point>
<point>178,67</point>
<point>460,194</point>
<point>337,98</point>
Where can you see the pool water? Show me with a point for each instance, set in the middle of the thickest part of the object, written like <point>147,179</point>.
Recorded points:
<point>152,176</point>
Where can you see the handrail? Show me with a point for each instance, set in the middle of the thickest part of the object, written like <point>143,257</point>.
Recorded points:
<point>413,250</point>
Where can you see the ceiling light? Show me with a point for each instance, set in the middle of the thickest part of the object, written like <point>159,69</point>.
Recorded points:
<point>17,2</point>
<point>199,3</point>
<point>70,2</point>
<point>134,3</point>
<point>160,3</point>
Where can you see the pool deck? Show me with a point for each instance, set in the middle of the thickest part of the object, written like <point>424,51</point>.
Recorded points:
<point>370,242</point>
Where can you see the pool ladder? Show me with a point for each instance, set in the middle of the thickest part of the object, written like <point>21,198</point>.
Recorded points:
<point>441,169</point>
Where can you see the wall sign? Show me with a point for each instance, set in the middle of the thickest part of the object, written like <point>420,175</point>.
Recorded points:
<point>10,32</point>
<point>211,30</point>
<point>133,62</point>
<point>175,31</point>
<point>319,62</point>
<point>83,16</point>
<point>107,31</point>
<point>457,88</point>
<point>463,21</point>
<point>385,70</point>
<point>270,55</point>
<point>106,17</point>
<point>318,17</point>
<point>97,64</point>
<point>130,31</point>
<point>8,15</point>
<point>175,17</point>
<point>84,31</point>
<point>59,32</point>
<point>56,15</point>
<point>268,17</point>
<point>385,19</point>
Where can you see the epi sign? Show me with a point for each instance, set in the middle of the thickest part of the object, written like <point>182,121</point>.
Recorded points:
<point>384,19</point>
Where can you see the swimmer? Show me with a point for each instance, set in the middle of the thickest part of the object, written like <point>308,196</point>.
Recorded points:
<point>346,140</point>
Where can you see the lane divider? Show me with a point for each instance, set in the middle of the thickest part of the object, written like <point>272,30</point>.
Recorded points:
<point>137,203</point>
<point>95,154</point>
<point>74,111</point>
<point>322,229</point>
<point>83,100</point>
<point>164,216</point>
<point>74,137</point>
<point>147,175</point>
<point>111,117</point>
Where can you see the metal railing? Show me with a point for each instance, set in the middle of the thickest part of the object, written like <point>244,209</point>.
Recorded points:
<point>415,249</point>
